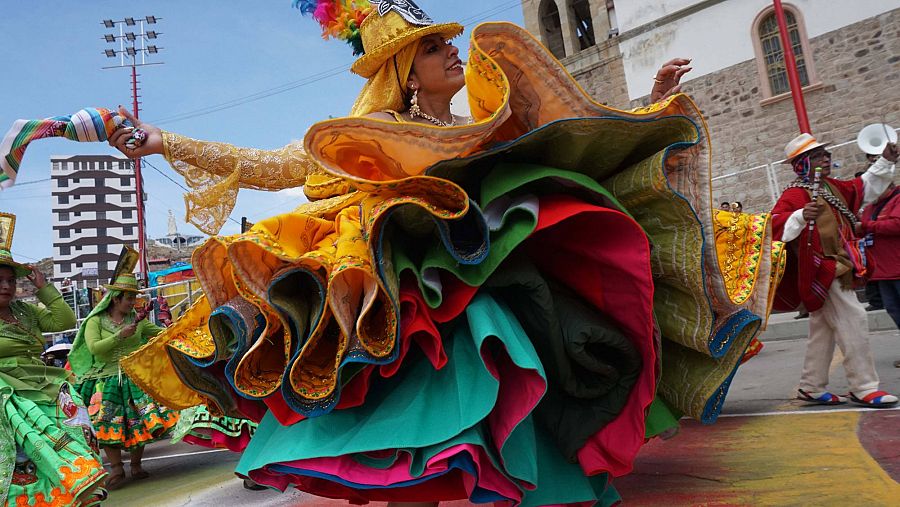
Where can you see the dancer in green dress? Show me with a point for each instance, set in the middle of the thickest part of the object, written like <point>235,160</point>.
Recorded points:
<point>124,416</point>
<point>48,451</point>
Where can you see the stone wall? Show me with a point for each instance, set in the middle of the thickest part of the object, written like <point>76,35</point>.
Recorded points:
<point>859,73</point>
<point>600,72</point>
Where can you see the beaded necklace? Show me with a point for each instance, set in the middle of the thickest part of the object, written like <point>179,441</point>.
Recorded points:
<point>415,111</point>
<point>830,199</point>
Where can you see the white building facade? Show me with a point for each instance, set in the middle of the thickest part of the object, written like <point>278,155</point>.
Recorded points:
<point>848,54</point>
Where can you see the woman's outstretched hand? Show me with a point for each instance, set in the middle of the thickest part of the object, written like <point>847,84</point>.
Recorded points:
<point>667,81</point>
<point>152,144</point>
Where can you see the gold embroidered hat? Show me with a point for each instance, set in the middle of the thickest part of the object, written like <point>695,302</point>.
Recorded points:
<point>7,227</point>
<point>123,278</point>
<point>394,25</point>
<point>376,29</point>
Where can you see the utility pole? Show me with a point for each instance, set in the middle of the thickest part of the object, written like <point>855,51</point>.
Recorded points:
<point>131,45</point>
<point>790,65</point>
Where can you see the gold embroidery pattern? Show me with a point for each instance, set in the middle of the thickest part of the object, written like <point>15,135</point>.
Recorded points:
<point>739,245</point>
<point>216,171</point>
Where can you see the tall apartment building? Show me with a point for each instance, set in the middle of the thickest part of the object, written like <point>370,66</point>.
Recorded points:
<point>94,215</point>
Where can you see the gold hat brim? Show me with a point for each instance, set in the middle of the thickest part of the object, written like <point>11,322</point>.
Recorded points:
<point>20,270</point>
<point>369,63</point>
<point>122,288</point>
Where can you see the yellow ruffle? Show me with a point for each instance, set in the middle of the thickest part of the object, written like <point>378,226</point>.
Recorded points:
<point>739,246</point>
<point>151,369</point>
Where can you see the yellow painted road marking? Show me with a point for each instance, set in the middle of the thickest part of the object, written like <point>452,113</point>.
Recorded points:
<point>803,460</point>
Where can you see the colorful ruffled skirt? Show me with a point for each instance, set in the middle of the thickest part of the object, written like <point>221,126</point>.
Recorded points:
<point>501,319</point>
<point>197,426</point>
<point>48,452</point>
<point>123,415</point>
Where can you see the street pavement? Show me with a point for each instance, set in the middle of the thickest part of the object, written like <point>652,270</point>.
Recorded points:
<point>766,449</point>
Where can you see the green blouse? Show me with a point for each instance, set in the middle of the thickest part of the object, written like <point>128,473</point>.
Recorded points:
<point>104,339</point>
<point>21,344</point>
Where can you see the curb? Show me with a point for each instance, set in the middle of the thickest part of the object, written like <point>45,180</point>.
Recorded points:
<point>785,327</point>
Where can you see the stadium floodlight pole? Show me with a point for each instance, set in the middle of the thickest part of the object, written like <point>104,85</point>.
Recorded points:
<point>131,45</point>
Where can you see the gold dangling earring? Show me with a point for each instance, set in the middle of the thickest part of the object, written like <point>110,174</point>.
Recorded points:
<point>414,109</point>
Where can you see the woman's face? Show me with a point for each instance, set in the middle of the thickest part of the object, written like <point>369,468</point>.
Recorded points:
<point>436,67</point>
<point>7,285</point>
<point>125,302</point>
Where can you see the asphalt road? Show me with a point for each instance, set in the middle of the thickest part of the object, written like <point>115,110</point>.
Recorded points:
<point>758,447</point>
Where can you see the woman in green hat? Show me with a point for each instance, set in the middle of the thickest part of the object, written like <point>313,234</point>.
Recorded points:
<point>124,416</point>
<point>38,407</point>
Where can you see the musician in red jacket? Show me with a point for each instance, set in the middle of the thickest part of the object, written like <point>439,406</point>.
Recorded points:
<point>824,265</point>
<point>880,225</point>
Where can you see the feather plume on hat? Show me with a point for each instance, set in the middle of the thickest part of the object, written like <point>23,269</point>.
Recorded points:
<point>340,19</point>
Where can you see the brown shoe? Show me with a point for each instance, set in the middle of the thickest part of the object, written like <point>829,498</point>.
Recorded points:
<point>116,477</point>
<point>137,472</point>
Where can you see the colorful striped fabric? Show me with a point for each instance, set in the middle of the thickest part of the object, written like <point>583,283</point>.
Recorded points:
<point>87,125</point>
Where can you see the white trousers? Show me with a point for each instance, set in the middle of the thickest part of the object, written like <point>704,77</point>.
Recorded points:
<point>841,320</point>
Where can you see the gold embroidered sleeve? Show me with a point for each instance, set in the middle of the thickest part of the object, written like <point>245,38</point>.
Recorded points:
<point>285,167</point>
<point>216,171</point>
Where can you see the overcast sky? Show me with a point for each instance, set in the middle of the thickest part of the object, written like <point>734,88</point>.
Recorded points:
<point>216,54</point>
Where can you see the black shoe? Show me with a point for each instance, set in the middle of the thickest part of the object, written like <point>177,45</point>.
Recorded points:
<point>872,308</point>
<point>252,486</point>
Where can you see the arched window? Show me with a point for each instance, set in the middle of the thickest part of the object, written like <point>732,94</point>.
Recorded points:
<point>770,53</point>
<point>580,14</point>
<point>552,28</point>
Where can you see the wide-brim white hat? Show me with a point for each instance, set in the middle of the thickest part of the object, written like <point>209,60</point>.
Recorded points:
<point>800,145</point>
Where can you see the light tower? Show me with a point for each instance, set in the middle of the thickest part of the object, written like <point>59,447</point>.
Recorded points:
<point>136,45</point>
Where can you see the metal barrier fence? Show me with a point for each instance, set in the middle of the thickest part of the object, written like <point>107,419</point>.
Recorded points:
<point>846,160</point>
<point>179,295</point>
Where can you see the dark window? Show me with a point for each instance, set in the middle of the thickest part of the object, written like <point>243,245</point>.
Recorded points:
<point>77,264</point>
<point>98,182</point>
<point>125,181</point>
<point>64,199</point>
<point>128,230</point>
<point>552,28</point>
<point>65,250</point>
<point>101,232</point>
<point>101,215</point>
<point>101,198</point>
<point>76,180</point>
<point>64,233</point>
<point>64,216</point>
<point>101,249</point>
<point>77,231</point>
<point>63,182</point>
<point>584,25</point>
<point>126,197</point>
<point>65,267</point>
<point>77,213</point>
<point>126,214</point>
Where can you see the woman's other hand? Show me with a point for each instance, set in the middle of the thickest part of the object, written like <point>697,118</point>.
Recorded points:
<point>667,81</point>
<point>152,145</point>
<point>37,277</point>
<point>128,331</point>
